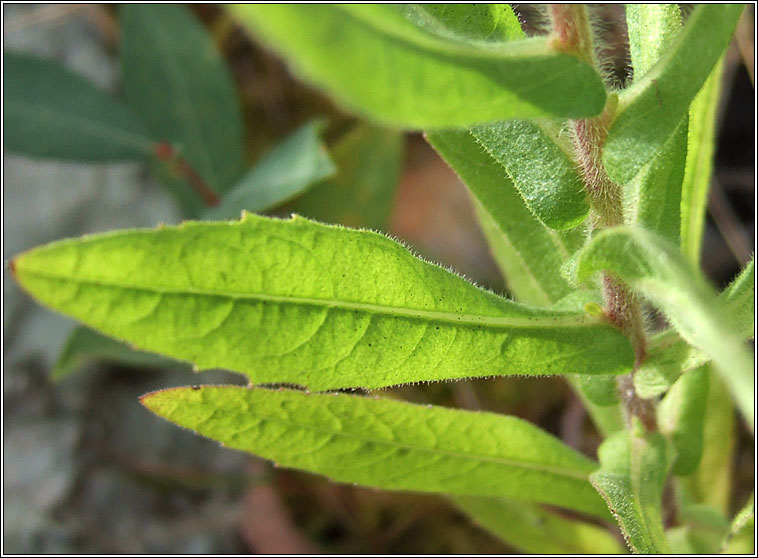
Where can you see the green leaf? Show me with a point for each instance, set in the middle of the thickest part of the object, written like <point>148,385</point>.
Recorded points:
<point>84,345</point>
<point>601,390</point>
<point>51,112</point>
<point>681,418</point>
<point>287,170</point>
<point>739,300</point>
<point>631,478</point>
<point>387,444</point>
<point>651,29</point>
<point>712,481</point>
<point>361,193</point>
<point>658,271</point>
<point>697,173</point>
<point>531,529</point>
<point>528,254</point>
<point>541,168</point>
<point>467,22</point>
<point>418,79</point>
<point>176,81</point>
<point>702,531</point>
<point>304,303</point>
<point>651,109</point>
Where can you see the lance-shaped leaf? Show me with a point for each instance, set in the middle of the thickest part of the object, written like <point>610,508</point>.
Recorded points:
<point>85,345</point>
<point>650,110</point>
<point>388,444</point>
<point>298,162</point>
<point>304,303</point>
<point>681,418</point>
<point>658,271</point>
<point>631,477</point>
<point>418,79</point>
<point>697,172</point>
<point>467,22</point>
<point>534,530</point>
<point>368,160</point>
<point>541,168</point>
<point>651,29</point>
<point>740,538</point>
<point>176,81</point>
<point>49,111</point>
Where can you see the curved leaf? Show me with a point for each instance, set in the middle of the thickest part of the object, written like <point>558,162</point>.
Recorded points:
<point>315,305</point>
<point>49,111</point>
<point>658,271</point>
<point>416,78</point>
<point>387,444</point>
<point>467,22</point>
<point>650,110</point>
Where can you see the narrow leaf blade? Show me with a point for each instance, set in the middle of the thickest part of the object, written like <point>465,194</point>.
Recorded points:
<point>418,79</point>
<point>387,444</point>
<point>178,84</point>
<point>531,529</point>
<point>541,168</point>
<point>657,270</point>
<point>631,479</point>
<point>309,304</point>
<point>298,162</point>
<point>51,112</point>
<point>651,109</point>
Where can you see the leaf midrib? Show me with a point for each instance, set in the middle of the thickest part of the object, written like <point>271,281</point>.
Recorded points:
<point>523,322</point>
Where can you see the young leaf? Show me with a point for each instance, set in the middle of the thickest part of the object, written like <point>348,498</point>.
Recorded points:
<point>632,474</point>
<point>387,444</point>
<point>697,172</point>
<point>739,300</point>
<point>85,345</point>
<point>309,304</point>
<point>360,194</point>
<point>49,111</point>
<point>418,79</point>
<point>681,418</point>
<point>735,541</point>
<point>650,110</point>
<point>176,81</point>
<point>528,254</point>
<point>658,271</point>
<point>291,167</point>
<point>467,22</point>
<point>541,168</point>
<point>531,529</point>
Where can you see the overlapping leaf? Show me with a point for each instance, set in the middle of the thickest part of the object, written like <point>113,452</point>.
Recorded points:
<point>418,79</point>
<point>309,304</point>
<point>388,444</point>
<point>49,111</point>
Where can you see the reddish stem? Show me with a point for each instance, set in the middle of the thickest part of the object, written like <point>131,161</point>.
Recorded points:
<point>166,152</point>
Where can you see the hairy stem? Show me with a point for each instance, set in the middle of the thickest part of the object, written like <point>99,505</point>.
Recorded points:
<point>572,33</point>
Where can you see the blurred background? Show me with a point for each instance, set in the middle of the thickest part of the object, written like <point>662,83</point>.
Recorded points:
<point>86,469</point>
